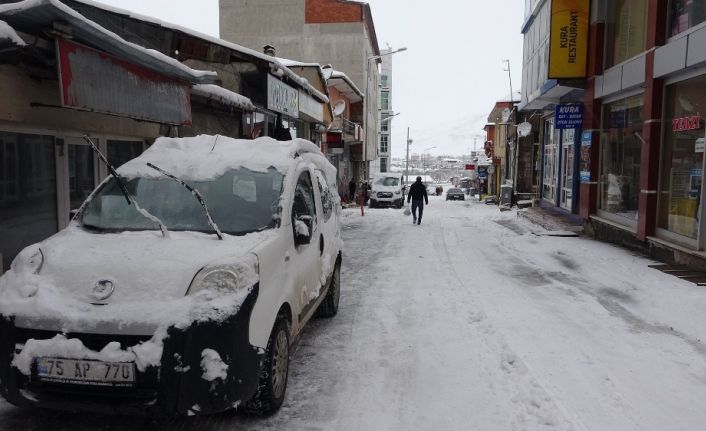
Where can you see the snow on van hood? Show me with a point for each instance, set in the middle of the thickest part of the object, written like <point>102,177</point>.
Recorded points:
<point>206,157</point>
<point>150,275</point>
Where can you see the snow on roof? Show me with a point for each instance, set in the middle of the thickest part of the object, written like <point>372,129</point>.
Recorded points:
<point>206,157</point>
<point>45,12</point>
<point>302,82</point>
<point>345,85</point>
<point>8,33</point>
<point>223,95</point>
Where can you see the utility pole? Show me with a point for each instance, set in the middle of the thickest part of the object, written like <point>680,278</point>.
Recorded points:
<point>406,165</point>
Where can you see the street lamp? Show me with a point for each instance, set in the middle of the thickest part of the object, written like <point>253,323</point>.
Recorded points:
<point>366,104</point>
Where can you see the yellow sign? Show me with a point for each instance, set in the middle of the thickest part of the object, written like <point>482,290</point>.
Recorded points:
<point>568,40</point>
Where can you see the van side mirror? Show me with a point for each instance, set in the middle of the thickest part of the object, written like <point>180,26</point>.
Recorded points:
<point>302,229</point>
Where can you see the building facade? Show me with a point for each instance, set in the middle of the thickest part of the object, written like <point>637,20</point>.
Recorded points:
<point>336,32</point>
<point>384,150</point>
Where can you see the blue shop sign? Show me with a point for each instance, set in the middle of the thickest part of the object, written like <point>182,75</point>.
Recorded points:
<point>568,116</point>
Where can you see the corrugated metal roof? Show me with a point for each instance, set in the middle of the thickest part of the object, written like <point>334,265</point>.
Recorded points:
<point>34,16</point>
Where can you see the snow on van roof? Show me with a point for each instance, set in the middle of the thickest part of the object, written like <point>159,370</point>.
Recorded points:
<point>7,32</point>
<point>206,157</point>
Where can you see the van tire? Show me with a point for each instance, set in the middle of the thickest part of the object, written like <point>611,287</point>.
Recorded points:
<point>329,306</point>
<point>274,373</point>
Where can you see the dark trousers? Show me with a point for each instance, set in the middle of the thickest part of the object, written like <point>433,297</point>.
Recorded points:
<point>417,204</point>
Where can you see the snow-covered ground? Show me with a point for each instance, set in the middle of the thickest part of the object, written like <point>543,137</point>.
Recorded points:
<point>471,322</point>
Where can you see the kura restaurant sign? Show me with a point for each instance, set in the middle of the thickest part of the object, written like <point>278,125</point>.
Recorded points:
<point>92,80</point>
<point>568,39</point>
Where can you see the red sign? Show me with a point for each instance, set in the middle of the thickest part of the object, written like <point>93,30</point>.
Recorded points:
<point>686,123</point>
<point>334,139</point>
<point>470,167</point>
<point>496,160</point>
<point>95,81</point>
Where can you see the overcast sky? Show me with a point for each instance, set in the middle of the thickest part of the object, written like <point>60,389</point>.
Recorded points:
<point>447,81</point>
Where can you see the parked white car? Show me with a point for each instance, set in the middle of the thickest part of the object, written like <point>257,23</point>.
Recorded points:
<point>386,191</point>
<point>164,299</point>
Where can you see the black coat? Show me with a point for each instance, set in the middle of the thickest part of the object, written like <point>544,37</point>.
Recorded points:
<point>417,192</point>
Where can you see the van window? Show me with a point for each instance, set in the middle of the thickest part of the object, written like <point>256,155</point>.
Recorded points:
<point>388,181</point>
<point>326,196</point>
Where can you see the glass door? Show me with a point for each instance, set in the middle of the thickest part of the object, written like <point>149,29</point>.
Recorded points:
<point>550,165</point>
<point>567,160</point>
<point>79,176</point>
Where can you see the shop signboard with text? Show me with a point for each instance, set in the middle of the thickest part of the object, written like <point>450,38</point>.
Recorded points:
<point>282,98</point>
<point>568,39</point>
<point>585,162</point>
<point>568,116</point>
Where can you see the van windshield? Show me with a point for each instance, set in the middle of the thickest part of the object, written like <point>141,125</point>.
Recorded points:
<point>388,181</point>
<point>240,201</point>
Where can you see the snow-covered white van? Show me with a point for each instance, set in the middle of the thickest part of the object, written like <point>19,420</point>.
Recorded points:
<point>386,191</point>
<point>180,285</point>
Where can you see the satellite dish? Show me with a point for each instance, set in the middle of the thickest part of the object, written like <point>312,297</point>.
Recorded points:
<point>524,129</point>
<point>327,71</point>
<point>339,107</point>
<point>506,115</point>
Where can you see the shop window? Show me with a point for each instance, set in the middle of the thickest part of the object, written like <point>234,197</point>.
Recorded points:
<point>621,154</point>
<point>682,157</point>
<point>121,152</point>
<point>28,198</point>
<point>550,162</point>
<point>626,30</point>
<point>684,14</point>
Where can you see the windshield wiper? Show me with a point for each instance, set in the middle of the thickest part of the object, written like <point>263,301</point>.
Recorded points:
<point>130,200</point>
<point>195,193</point>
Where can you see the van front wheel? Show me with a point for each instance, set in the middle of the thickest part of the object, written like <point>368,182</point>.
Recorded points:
<point>275,371</point>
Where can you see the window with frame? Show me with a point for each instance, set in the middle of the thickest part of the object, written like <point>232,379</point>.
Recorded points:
<point>384,81</point>
<point>385,126</point>
<point>685,14</point>
<point>326,195</point>
<point>384,139</point>
<point>385,100</point>
<point>621,154</point>
<point>304,205</point>
<point>626,30</point>
<point>383,164</point>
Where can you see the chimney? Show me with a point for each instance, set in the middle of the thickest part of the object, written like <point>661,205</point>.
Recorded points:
<point>269,50</point>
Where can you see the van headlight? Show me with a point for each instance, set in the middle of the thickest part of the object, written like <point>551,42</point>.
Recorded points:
<point>227,278</point>
<point>397,192</point>
<point>218,279</point>
<point>30,260</point>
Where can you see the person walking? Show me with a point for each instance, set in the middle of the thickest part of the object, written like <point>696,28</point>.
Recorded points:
<point>418,195</point>
<point>351,191</point>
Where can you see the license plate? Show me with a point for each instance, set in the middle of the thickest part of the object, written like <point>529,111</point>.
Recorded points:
<point>83,372</point>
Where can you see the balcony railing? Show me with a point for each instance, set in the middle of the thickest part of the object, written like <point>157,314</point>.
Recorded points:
<point>348,128</point>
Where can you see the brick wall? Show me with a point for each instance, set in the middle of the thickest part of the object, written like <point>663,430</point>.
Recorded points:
<point>332,11</point>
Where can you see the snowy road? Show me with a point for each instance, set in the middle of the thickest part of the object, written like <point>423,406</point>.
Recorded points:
<point>471,322</point>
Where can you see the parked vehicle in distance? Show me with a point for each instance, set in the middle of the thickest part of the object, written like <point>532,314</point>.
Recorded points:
<point>431,189</point>
<point>180,285</point>
<point>386,191</point>
<point>455,194</point>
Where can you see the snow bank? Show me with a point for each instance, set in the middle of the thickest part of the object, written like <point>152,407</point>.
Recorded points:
<point>206,157</point>
<point>213,366</point>
<point>7,32</point>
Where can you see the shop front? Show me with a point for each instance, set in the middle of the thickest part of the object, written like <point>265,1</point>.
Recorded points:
<point>680,211</point>
<point>620,158</point>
